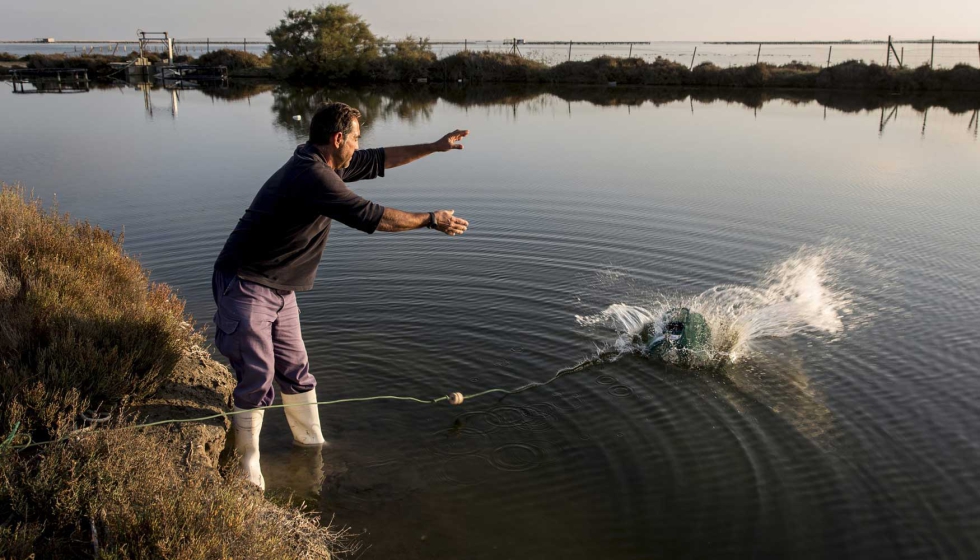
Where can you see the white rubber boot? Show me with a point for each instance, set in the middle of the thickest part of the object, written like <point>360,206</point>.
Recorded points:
<point>303,418</point>
<point>248,424</point>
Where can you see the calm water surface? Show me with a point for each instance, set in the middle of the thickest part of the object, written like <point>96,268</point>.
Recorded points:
<point>853,435</point>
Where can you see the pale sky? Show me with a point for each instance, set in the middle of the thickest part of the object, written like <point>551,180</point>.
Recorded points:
<point>612,20</point>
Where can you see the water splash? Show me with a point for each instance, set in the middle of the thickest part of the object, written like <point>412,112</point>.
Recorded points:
<point>799,295</point>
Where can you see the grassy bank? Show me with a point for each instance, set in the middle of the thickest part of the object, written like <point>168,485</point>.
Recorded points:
<point>412,64</point>
<point>83,330</point>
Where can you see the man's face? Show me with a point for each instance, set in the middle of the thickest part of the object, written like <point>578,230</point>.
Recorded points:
<point>350,145</point>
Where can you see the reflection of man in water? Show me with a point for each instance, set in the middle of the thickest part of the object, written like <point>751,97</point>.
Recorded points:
<point>274,252</point>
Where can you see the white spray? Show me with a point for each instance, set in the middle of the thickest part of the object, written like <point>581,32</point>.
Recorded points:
<point>798,295</point>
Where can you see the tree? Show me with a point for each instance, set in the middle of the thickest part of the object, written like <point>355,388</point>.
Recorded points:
<point>326,42</point>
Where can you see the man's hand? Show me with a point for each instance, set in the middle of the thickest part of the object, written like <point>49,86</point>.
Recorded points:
<point>449,224</point>
<point>449,141</point>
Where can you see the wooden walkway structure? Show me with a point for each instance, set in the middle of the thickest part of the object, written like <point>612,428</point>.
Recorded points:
<point>50,80</point>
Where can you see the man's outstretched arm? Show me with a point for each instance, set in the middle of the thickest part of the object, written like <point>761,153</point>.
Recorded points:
<point>400,155</point>
<point>397,220</point>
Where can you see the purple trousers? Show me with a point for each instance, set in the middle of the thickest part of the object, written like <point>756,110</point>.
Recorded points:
<point>257,329</point>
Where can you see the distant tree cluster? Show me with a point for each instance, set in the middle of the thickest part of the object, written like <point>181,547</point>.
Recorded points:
<point>325,41</point>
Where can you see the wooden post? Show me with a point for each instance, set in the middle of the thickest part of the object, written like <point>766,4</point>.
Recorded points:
<point>758,54</point>
<point>245,44</point>
<point>569,51</point>
<point>631,51</point>
<point>692,59</point>
<point>828,55</point>
<point>901,64</point>
<point>888,53</point>
<point>932,52</point>
<point>464,45</point>
<point>209,43</point>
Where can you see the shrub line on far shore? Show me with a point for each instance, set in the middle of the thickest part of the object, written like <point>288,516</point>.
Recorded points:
<point>413,65</point>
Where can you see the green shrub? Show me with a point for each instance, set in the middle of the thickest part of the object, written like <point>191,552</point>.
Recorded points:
<point>96,64</point>
<point>406,60</point>
<point>663,72</point>
<point>232,59</point>
<point>488,67</point>
<point>328,42</point>
<point>7,57</point>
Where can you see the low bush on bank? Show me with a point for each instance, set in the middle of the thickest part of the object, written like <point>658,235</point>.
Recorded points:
<point>858,75</point>
<point>7,57</point>
<point>627,71</point>
<point>406,60</point>
<point>97,64</point>
<point>82,328</point>
<point>487,67</point>
<point>232,59</point>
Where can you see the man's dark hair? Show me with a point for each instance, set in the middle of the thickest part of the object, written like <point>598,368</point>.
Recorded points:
<point>329,119</point>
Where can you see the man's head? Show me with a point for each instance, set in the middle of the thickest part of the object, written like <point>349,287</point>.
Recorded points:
<point>335,130</point>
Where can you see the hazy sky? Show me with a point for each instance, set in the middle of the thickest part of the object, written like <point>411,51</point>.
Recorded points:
<point>763,20</point>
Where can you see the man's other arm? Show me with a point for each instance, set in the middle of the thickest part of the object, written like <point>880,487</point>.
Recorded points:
<point>400,155</point>
<point>398,220</point>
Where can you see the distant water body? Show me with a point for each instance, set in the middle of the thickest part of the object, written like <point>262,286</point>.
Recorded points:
<point>831,239</point>
<point>915,54</point>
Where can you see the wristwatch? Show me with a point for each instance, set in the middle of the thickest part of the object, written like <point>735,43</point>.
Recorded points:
<point>432,221</point>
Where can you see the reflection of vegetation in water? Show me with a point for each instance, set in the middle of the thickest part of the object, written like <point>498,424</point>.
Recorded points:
<point>407,104</point>
<point>237,91</point>
<point>416,102</point>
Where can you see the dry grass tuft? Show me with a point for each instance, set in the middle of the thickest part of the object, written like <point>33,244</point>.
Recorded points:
<point>125,494</point>
<point>82,327</point>
<point>80,322</point>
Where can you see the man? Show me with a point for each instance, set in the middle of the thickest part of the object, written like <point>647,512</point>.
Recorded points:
<point>274,252</point>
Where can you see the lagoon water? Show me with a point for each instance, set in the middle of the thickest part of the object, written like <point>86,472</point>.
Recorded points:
<point>846,426</point>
